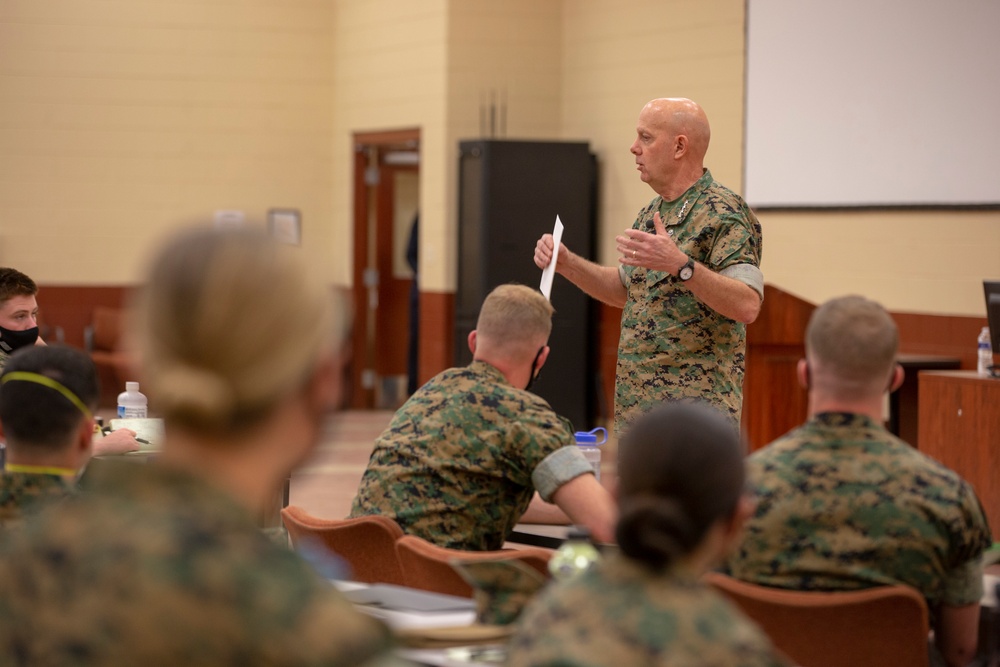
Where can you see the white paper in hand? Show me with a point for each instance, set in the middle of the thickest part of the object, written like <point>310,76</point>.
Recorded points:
<point>549,272</point>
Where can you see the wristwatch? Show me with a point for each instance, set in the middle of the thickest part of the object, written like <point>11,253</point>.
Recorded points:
<point>686,271</point>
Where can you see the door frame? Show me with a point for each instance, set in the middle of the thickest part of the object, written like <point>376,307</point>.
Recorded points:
<point>361,396</point>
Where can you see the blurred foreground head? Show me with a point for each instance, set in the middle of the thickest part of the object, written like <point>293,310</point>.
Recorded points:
<point>680,474</point>
<point>229,325</point>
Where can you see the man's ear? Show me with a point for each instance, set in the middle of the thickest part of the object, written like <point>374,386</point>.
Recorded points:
<point>898,375</point>
<point>543,355</point>
<point>472,342</point>
<point>83,442</point>
<point>681,145</point>
<point>802,373</point>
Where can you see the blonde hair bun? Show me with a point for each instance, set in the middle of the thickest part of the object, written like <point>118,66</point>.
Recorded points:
<point>202,396</point>
<point>228,324</point>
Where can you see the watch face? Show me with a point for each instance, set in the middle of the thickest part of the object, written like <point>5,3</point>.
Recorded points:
<point>686,272</point>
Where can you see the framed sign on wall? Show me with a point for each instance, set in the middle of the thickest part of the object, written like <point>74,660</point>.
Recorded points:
<point>285,225</point>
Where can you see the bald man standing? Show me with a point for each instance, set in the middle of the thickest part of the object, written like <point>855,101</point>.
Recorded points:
<point>688,277</point>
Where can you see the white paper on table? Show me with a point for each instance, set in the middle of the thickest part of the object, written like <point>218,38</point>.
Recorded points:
<point>549,272</point>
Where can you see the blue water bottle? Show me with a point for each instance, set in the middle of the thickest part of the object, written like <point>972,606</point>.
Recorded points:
<point>589,443</point>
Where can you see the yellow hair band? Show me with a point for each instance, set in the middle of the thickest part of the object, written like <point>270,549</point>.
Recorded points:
<point>46,381</point>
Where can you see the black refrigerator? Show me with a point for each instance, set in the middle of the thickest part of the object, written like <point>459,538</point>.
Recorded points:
<point>509,195</point>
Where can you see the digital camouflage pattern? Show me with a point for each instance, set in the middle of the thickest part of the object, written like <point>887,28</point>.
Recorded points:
<point>22,493</point>
<point>150,566</point>
<point>844,505</point>
<point>672,346</point>
<point>455,464</point>
<point>620,613</point>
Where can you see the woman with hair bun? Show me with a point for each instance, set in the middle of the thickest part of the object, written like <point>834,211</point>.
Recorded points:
<point>163,563</point>
<point>681,506</point>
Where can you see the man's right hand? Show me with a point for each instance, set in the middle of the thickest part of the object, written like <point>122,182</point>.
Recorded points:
<point>543,251</point>
<point>119,441</point>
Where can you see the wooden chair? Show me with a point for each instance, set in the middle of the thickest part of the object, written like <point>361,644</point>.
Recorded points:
<point>428,566</point>
<point>873,627</point>
<point>367,543</point>
<point>103,340</point>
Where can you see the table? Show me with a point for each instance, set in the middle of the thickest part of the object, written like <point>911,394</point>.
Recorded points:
<point>539,535</point>
<point>959,423</point>
<point>904,403</point>
<point>451,612</point>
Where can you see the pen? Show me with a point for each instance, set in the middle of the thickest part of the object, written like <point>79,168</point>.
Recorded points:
<point>107,429</point>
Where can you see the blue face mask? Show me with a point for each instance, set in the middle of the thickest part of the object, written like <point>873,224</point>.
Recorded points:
<point>13,340</point>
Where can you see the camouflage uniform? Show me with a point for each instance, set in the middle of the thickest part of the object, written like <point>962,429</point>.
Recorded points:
<point>461,459</point>
<point>843,505</point>
<point>620,613</point>
<point>25,492</point>
<point>672,345</point>
<point>152,566</point>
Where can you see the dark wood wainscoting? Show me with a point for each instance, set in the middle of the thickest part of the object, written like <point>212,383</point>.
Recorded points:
<point>71,308</point>
<point>437,334</point>
<point>773,401</point>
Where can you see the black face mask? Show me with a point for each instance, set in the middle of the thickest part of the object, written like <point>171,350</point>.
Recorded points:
<point>534,375</point>
<point>13,340</point>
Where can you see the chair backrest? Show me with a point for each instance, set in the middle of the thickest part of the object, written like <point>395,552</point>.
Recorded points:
<point>873,627</point>
<point>107,328</point>
<point>366,543</point>
<point>428,566</point>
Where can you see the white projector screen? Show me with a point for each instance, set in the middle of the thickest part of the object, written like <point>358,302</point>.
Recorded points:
<point>867,103</point>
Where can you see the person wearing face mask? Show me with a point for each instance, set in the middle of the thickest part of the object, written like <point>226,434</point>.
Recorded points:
<point>19,329</point>
<point>18,313</point>
<point>462,458</point>
<point>163,563</point>
<point>48,395</point>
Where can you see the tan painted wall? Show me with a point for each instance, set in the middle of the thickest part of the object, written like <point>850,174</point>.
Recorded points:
<point>120,120</point>
<point>617,56</point>
<point>389,73</point>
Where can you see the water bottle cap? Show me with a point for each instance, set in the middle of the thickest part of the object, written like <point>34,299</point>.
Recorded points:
<point>131,386</point>
<point>589,438</point>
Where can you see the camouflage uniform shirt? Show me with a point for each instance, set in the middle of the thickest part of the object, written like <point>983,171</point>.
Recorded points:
<point>462,458</point>
<point>844,505</point>
<point>621,613</point>
<point>672,345</point>
<point>151,566</point>
<point>22,492</point>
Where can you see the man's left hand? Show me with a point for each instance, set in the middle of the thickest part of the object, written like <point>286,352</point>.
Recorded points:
<point>656,251</point>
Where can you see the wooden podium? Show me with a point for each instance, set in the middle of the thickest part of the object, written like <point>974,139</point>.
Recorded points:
<point>773,401</point>
<point>959,419</point>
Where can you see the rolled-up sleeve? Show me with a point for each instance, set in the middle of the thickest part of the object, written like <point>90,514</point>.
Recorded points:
<point>557,468</point>
<point>748,274</point>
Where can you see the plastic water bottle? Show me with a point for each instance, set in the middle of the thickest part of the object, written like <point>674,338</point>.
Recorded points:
<point>574,556</point>
<point>985,350</point>
<point>131,403</point>
<point>589,445</point>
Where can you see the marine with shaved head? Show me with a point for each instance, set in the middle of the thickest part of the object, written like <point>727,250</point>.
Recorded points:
<point>688,277</point>
<point>842,504</point>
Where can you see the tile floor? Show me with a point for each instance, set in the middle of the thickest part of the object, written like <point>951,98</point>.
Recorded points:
<point>326,484</point>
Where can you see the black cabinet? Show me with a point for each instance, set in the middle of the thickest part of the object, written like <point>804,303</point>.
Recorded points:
<point>509,195</point>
